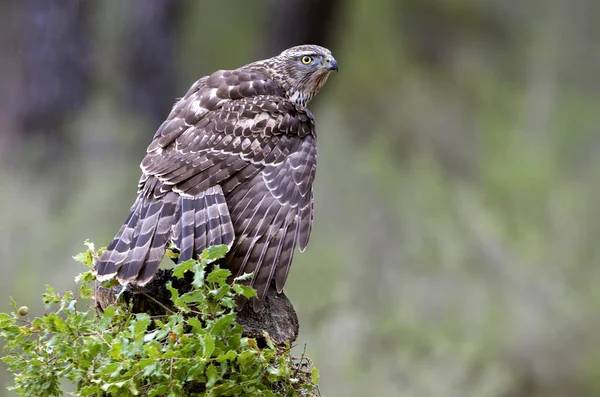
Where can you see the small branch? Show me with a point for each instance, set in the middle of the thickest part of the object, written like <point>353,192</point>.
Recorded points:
<point>140,291</point>
<point>301,359</point>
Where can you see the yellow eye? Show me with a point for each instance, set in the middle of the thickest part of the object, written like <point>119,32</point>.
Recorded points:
<point>306,59</point>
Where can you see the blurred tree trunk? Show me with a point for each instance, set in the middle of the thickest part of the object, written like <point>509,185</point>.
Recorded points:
<point>434,30</point>
<point>295,22</point>
<point>9,85</point>
<point>55,56</point>
<point>152,56</point>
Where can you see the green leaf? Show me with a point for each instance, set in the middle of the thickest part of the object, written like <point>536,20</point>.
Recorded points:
<point>195,323</point>
<point>314,376</point>
<point>193,296</point>
<point>88,391</point>
<point>5,318</point>
<point>244,290</point>
<point>13,304</point>
<point>219,325</point>
<point>59,323</point>
<point>141,324</point>
<point>209,345</point>
<point>198,281</point>
<point>153,349</point>
<point>113,282</point>
<point>81,257</point>
<point>195,371</point>
<point>245,357</point>
<point>244,277</point>
<point>213,253</point>
<point>218,276</point>
<point>221,292</point>
<point>180,269</point>
<point>211,376</point>
<point>173,291</point>
<point>107,316</point>
<point>229,356</point>
<point>150,336</point>
<point>89,245</point>
<point>85,276</point>
<point>274,373</point>
<point>116,351</point>
<point>87,257</point>
<point>133,388</point>
<point>159,390</point>
<point>176,299</point>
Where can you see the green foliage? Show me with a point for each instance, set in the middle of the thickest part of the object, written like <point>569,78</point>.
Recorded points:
<point>195,350</point>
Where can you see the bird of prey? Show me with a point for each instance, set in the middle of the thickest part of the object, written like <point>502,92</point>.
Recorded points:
<point>233,164</point>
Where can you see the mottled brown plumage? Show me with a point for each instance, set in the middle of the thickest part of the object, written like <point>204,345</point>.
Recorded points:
<point>233,164</point>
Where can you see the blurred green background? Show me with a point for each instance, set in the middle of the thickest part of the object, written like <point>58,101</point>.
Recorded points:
<point>456,244</point>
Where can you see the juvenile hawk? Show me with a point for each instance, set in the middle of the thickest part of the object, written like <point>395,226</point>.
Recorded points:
<point>233,164</point>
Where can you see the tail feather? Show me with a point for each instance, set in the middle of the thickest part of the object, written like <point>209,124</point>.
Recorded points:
<point>216,219</point>
<point>227,232</point>
<point>212,215</point>
<point>161,236</point>
<point>200,226</point>
<point>105,268</point>
<point>140,246</point>
<point>186,229</point>
<point>193,223</point>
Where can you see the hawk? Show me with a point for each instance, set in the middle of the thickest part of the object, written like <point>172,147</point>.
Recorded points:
<point>233,164</point>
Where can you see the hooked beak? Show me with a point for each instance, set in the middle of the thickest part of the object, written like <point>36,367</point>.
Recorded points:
<point>331,64</point>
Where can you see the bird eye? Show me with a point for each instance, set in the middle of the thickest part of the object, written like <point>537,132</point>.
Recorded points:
<point>306,59</point>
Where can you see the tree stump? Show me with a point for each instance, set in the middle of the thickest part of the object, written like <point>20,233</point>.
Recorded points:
<point>277,316</point>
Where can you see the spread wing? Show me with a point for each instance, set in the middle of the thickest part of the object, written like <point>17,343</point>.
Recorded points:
<point>235,130</point>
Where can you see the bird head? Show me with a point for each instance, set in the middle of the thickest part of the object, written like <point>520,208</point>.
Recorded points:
<point>302,71</point>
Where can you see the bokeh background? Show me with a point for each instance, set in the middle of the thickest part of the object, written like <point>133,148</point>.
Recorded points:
<point>455,250</point>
